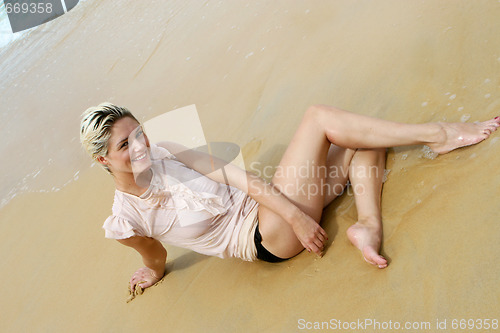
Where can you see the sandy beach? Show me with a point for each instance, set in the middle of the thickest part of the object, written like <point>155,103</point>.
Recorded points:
<point>252,68</point>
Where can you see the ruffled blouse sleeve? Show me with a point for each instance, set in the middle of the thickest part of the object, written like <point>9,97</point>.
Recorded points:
<point>118,228</point>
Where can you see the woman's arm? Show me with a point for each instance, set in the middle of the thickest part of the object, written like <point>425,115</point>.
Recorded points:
<point>154,257</point>
<point>308,231</point>
<point>226,173</point>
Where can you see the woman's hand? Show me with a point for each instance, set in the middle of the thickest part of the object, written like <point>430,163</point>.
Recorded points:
<point>309,232</point>
<point>144,277</point>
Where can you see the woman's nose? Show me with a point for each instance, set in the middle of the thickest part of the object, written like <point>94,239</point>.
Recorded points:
<point>138,144</point>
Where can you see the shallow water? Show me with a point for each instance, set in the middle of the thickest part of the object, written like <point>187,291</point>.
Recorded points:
<point>45,160</point>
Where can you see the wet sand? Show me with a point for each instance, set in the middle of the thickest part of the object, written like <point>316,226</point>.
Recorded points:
<point>252,68</point>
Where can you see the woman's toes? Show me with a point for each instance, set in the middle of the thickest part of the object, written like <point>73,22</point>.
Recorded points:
<point>372,257</point>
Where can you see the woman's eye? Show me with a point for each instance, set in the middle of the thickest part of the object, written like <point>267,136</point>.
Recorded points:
<point>124,144</point>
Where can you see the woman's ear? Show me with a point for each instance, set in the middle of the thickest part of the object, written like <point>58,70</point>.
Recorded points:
<point>102,160</point>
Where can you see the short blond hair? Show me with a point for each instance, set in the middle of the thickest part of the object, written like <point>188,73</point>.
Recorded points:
<point>95,128</point>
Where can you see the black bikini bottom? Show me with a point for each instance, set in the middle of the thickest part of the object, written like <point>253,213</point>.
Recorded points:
<point>262,253</point>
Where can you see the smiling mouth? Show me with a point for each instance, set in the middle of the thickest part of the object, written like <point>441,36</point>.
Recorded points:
<point>140,157</point>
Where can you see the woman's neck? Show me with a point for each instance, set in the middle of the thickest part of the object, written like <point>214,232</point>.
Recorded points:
<point>127,183</point>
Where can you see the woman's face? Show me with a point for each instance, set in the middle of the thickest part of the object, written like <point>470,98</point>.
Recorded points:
<point>128,148</point>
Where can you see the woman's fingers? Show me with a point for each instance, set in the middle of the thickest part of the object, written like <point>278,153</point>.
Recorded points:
<point>320,238</point>
<point>316,249</point>
<point>134,282</point>
<point>138,276</point>
<point>315,245</point>
<point>324,234</point>
<point>142,283</point>
<point>143,277</point>
<point>318,243</point>
<point>310,234</point>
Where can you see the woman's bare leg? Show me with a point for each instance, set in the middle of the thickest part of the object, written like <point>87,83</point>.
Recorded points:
<point>306,155</point>
<point>323,125</point>
<point>337,165</point>
<point>351,130</point>
<point>365,169</point>
<point>366,175</point>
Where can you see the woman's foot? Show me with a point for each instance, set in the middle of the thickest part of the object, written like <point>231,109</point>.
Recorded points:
<point>456,135</point>
<point>366,236</point>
